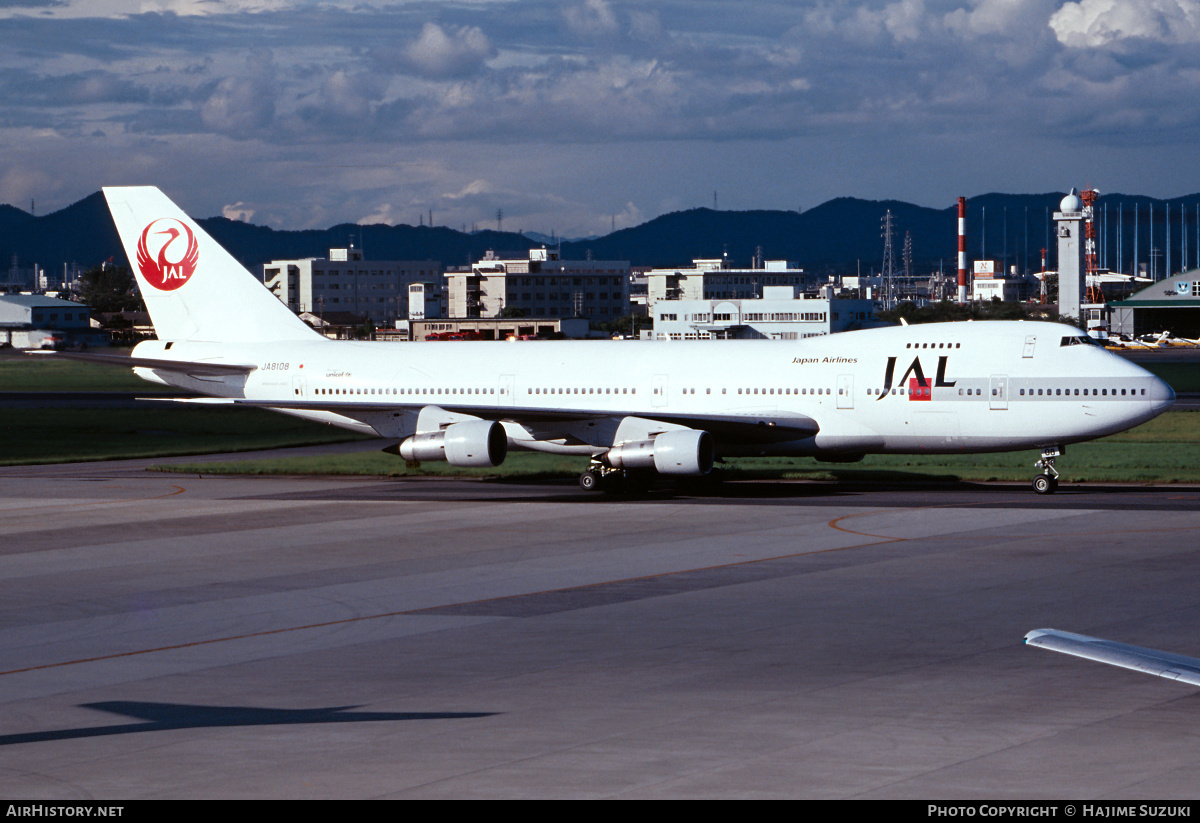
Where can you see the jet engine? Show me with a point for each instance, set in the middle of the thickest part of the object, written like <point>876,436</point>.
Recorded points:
<point>473,444</point>
<point>682,451</point>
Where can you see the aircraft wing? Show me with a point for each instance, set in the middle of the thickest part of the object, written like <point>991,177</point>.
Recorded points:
<point>181,366</point>
<point>771,427</point>
<point>1148,661</point>
<point>774,427</point>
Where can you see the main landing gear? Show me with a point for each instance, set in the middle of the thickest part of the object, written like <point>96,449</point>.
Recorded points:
<point>1047,481</point>
<point>600,477</point>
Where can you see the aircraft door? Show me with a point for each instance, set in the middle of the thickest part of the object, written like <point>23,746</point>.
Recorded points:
<point>297,387</point>
<point>1030,342</point>
<point>845,388</point>
<point>505,389</point>
<point>999,390</point>
<point>658,392</point>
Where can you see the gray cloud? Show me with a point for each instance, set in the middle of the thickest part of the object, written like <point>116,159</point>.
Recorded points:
<point>243,104</point>
<point>21,87</point>
<point>1092,23</point>
<point>591,18</point>
<point>653,103</point>
<point>441,52</point>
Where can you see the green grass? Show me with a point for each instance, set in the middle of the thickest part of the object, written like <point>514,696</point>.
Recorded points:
<point>1165,450</point>
<point>71,435</point>
<point>45,372</point>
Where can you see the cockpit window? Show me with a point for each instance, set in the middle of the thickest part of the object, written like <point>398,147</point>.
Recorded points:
<point>1079,340</point>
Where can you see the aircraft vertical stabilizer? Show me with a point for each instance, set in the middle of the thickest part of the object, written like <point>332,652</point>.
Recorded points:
<point>194,289</point>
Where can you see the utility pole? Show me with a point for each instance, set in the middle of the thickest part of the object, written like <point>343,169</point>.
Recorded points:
<point>889,261</point>
<point>907,257</point>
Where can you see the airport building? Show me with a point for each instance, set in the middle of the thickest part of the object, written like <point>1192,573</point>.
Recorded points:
<point>781,313</point>
<point>1171,305</point>
<point>377,290</point>
<point>539,284</point>
<point>487,328</point>
<point>424,301</point>
<point>29,321</point>
<point>713,279</point>
<point>990,283</point>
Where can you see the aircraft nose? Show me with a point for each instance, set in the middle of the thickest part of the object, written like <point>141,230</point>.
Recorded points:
<point>1161,395</point>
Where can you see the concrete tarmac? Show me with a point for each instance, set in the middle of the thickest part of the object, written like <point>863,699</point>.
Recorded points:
<point>173,636</point>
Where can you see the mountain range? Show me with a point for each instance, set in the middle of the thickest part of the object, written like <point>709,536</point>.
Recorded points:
<point>842,235</point>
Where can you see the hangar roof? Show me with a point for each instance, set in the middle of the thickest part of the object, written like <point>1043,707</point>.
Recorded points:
<point>1180,291</point>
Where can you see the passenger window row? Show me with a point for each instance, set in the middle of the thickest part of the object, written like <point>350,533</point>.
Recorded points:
<point>787,391</point>
<point>392,391</point>
<point>581,391</point>
<point>922,391</point>
<point>784,391</point>
<point>919,391</point>
<point>1075,392</point>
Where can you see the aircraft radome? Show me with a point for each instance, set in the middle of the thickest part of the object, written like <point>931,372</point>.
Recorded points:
<point>637,408</point>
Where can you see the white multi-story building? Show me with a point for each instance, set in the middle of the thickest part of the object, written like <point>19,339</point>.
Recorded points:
<point>539,285</point>
<point>424,301</point>
<point>713,279</point>
<point>989,282</point>
<point>782,313</point>
<point>375,289</point>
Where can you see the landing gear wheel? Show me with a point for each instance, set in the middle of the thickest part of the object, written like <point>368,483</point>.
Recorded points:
<point>1045,484</point>
<point>589,481</point>
<point>1047,481</point>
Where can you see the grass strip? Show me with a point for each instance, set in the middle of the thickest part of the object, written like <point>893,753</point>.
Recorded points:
<point>29,436</point>
<point>1164,450</point>
<point>38,373</point>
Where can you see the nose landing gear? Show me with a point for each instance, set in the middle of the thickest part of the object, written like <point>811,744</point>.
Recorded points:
<point>1047,481</point>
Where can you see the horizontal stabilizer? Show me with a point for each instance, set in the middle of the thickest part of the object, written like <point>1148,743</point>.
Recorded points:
<point>181,366</point>
<point>201,401</point>
<point>1148,661</point>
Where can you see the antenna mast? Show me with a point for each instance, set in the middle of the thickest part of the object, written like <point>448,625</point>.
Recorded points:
<point>889,261</point>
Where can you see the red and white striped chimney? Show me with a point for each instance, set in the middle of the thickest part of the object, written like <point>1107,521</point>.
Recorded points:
<point>962,250</point>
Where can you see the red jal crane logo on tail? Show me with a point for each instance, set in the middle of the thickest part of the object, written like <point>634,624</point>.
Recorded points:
<point>167,253</point>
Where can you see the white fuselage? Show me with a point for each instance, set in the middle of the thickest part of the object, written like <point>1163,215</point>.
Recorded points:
<point>952,387</point>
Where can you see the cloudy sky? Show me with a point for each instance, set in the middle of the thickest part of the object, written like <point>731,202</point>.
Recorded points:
<point>575,116</point>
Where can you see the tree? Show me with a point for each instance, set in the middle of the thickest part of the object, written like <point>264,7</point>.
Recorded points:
<point>107,288</point>
<point>946,311</point>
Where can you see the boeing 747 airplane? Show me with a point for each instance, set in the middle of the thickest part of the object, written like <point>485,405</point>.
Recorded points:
<point>635,409</point>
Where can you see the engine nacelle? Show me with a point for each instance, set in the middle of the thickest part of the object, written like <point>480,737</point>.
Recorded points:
<point>471,444</point>
<point>683,451</point>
